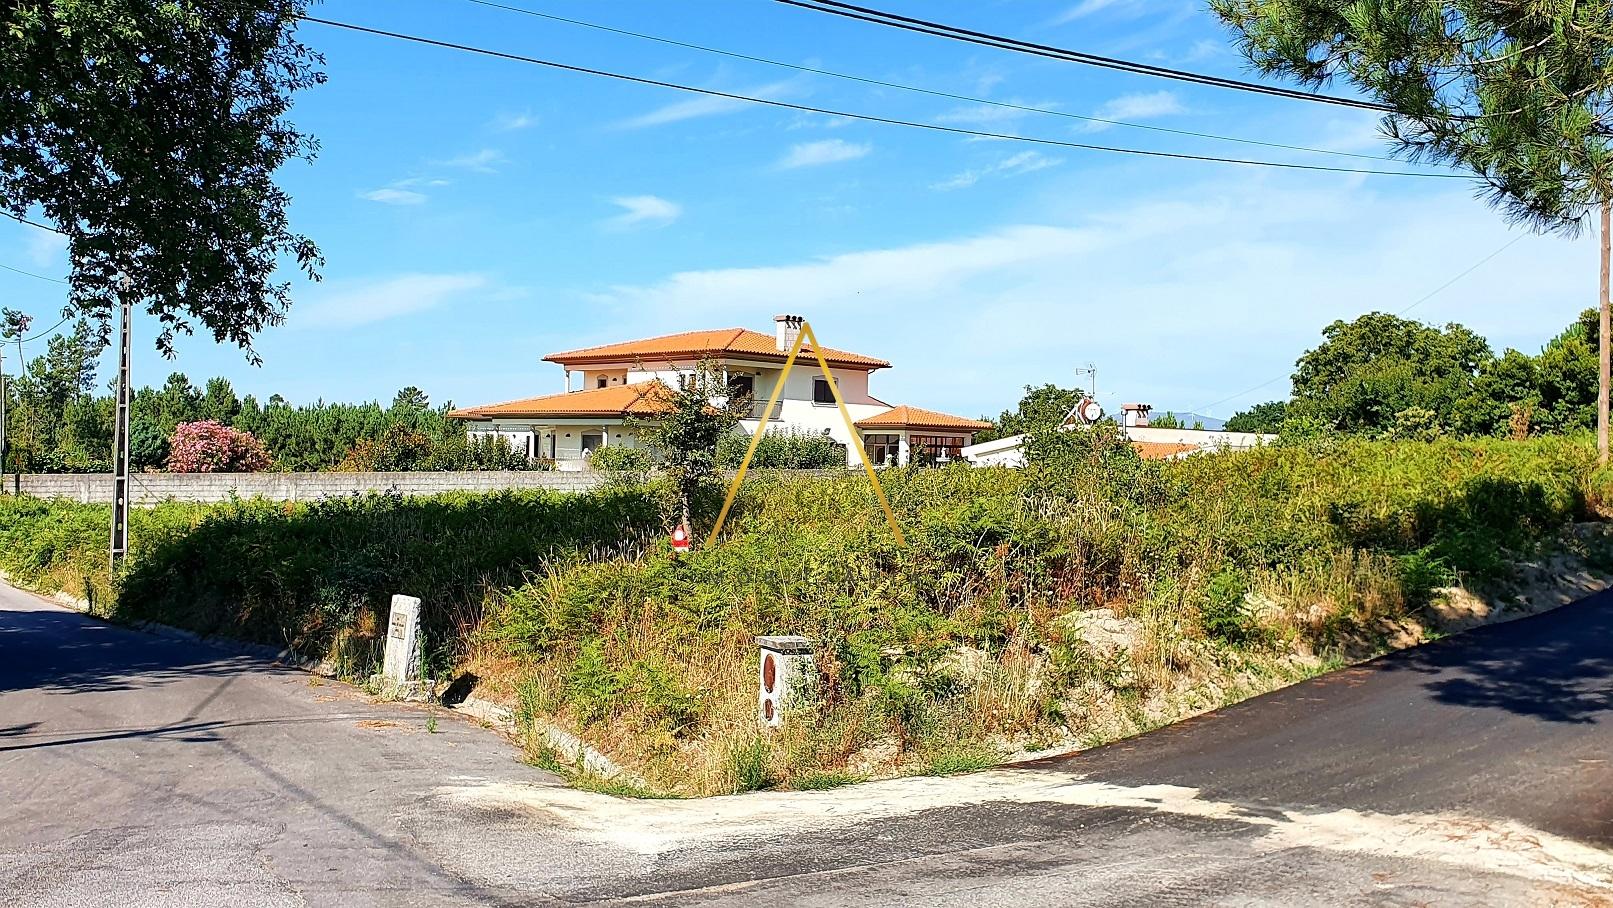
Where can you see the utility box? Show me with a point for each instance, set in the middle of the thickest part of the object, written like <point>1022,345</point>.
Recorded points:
<point>400,667</point>
<point>785,676</point>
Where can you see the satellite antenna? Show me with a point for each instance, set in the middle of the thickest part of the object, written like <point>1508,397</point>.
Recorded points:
<point>1087,410</point>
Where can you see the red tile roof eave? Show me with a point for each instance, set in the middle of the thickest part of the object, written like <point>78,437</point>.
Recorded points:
<point>804,358</point>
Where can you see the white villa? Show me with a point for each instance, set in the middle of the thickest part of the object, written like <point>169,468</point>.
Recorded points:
<point>619,384</point>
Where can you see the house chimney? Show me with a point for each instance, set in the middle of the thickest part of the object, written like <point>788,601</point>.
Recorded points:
<point>786,329</point>
<point>1135,415</point>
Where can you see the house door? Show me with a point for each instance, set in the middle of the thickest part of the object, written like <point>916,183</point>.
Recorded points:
<point>883,449</point>
<point>592,442</point>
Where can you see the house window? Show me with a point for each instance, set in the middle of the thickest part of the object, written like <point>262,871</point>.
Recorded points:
<point>928,449</point>
<point>883,450</point>
<point>741,386</point>
<point>603,382</point>
<point>821,393</point>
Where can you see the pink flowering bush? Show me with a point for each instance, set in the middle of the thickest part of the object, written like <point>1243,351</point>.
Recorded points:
<point>212,447</point>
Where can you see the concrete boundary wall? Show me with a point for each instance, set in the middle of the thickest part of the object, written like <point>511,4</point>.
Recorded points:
<point>151,488</point>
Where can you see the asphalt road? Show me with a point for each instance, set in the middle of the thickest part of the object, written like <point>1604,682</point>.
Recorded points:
<point>137,770</point>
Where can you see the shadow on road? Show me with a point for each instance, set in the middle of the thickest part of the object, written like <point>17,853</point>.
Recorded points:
<point>52,650</point>
<point>1556,667</point>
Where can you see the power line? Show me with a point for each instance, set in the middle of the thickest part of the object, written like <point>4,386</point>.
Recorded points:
<point>866,80</point>
<point>1474,267</point>
<point>31,274</point>
<point>22,220</point>
<point>872,118</point>
<point>1423,299</point>
<point>47,332</point>
<point>987,39</point>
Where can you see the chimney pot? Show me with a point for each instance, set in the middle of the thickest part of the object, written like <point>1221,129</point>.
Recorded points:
<point>786,329</point>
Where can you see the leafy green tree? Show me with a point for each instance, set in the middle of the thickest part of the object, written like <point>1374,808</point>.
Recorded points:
<point>149,134</point>
<point>1167,421</point>
<point>686,430</point>
<point>1266,417</point>
<point>1368,370</point>
<point>1040,406</point>
<point>1505,387</point>
<point>1519,94</point>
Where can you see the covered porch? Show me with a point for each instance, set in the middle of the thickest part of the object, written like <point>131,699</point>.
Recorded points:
<point>910,435</point>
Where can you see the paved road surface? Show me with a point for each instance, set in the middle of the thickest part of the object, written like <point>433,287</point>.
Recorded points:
<point>137,770</point>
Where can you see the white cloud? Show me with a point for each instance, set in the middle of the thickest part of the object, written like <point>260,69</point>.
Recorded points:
<point>828,151</point>
<point>44,247</point>
<point>705,106</point>
<point>483,161</point>
<point>1086,8</point>
<point>1023,162</point>
<point>362,303</point>
<point>643,211</point>
<point>390,196</point>
<point>509,122</point>
<point>1181,298</point>
<point>1135,107</point>
<point>988,114</point>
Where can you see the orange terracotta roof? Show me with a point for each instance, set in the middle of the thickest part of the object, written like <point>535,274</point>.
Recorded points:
<point>1162,450</point>
<point>905,417</point>
<point>695,344</point>
<point>639,399</point>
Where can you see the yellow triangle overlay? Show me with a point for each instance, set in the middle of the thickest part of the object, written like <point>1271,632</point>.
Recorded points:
<point>761,428</point>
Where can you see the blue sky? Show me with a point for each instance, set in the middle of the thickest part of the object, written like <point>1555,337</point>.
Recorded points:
<point>477,214</point>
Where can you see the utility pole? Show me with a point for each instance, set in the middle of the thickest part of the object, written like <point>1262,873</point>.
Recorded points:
<point>1602,344</point>
<point>3,415</point>
<point>120,436</point>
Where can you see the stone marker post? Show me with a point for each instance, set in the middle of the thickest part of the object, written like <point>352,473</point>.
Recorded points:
<point>400,667</point>
<point>785,676</point>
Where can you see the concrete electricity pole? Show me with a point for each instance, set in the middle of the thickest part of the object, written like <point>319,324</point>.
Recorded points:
<point>120,436</point>
<point>1602,346</point>
<point>3,412</point>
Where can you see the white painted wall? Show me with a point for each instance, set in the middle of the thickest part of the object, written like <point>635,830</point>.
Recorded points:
<point>1002,452</point>
<point>1203,438</point>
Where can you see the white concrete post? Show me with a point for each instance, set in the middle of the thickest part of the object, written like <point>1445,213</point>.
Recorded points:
<point>785,676</point>
<point>401,665</point>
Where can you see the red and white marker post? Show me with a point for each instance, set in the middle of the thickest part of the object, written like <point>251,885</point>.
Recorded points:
<point>680,541</point>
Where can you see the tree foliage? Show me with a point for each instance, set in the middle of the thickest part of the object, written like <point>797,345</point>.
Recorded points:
<point>1044,405</point>
<point>689,424</point>
<point>1266,417</point>
<point>56,423</point>
<point>149,134</point>
<point>1367,370</point>
<point>1385,376</point>
<point>1516,91</point>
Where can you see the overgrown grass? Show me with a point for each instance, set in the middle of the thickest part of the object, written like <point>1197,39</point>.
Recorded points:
<point>318,576</point>
<point>1092,596</point>
<point>1221,576</point>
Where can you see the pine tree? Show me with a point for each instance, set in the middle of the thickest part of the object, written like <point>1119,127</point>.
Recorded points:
<point>1519,92</point>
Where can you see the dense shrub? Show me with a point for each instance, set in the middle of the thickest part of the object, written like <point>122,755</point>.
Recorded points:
<point>620,459</point>
<point>302,574</point>
<point>402,448</point>
<point>212,447</point>
<point>790,450</point>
